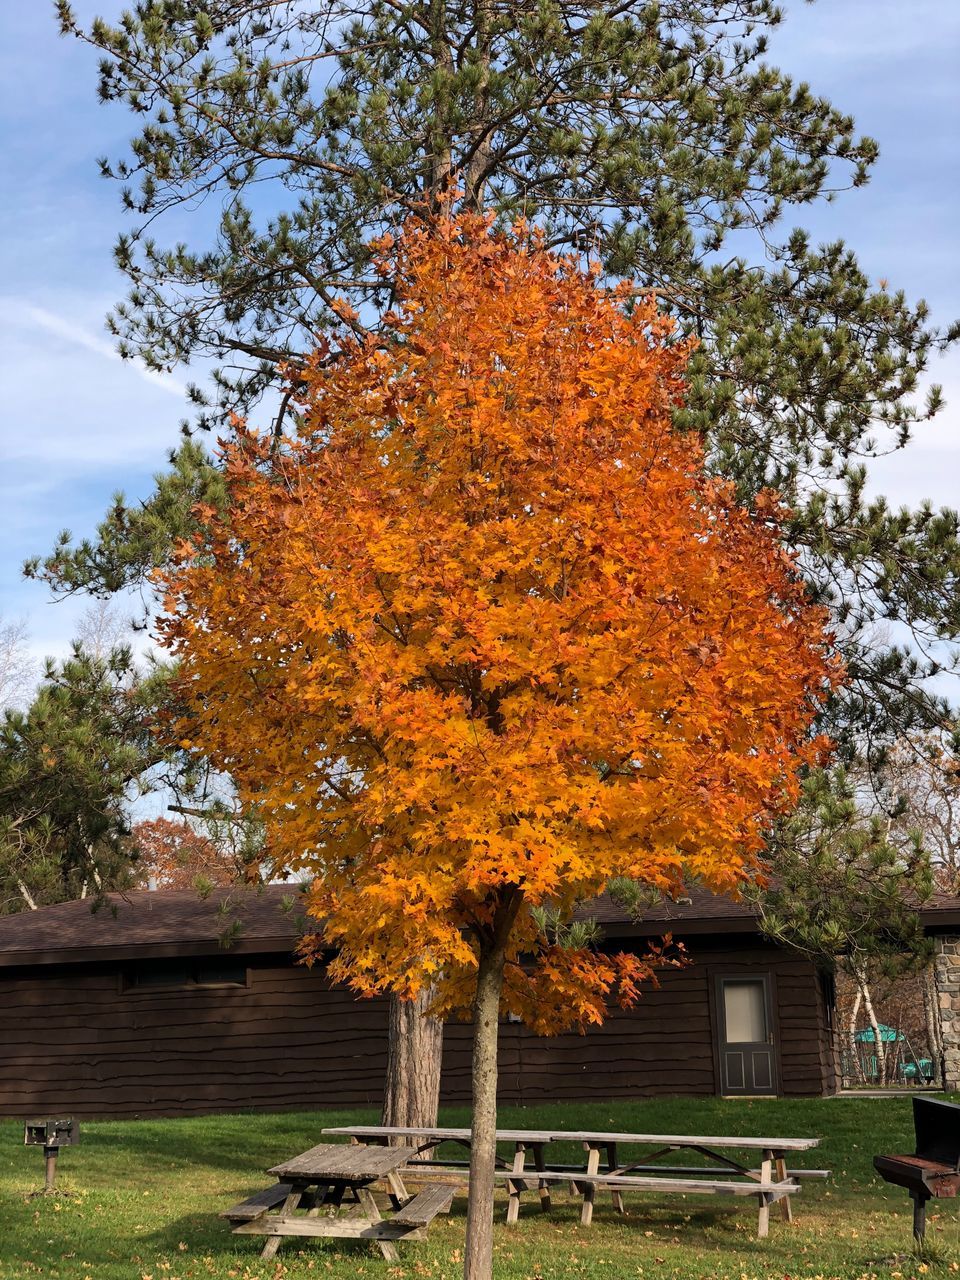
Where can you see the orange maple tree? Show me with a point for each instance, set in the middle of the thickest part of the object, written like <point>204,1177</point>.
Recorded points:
<point>485,634</point>
<point>178,856</point>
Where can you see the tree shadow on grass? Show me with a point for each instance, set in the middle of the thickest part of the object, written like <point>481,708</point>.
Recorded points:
<point>237,1142</point>
<point>204,1233</point>
<point>201,1231</point>
<point>207,1235</point>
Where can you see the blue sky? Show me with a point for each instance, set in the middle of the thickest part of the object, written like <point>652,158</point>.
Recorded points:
<point>78,424</point>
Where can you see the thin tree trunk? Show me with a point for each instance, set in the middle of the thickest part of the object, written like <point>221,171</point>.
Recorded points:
<point>91,856</point>
<point>856,1065</point>
<point>415,1047</point>
<point>932,1012</point>
<point>875,1025</point>
<point>26,894</point>
<point>478,1252</point>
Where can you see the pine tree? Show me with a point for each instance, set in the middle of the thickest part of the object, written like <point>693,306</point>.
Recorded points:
<point>849,880</point>
<point>652,133</point>
<point>70,763</point>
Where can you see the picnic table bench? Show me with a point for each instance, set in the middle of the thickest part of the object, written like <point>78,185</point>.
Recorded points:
<point>771,1183</point>
<point>311,1191</point>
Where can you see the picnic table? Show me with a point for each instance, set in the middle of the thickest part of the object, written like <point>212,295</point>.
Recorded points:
<point>523,1141</point>
<point>312,1188</point>
<point>771,1182</point>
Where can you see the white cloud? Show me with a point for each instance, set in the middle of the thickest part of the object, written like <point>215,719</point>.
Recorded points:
<point>70,331</point>
<point>72,406</point>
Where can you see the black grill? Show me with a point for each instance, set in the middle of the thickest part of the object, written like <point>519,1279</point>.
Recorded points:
<point>933,1171</point>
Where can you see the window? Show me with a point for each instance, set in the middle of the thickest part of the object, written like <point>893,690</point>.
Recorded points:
<point>828,990</point>
<point>220,973</point>
<point>159,975</point>
<point>178,975</point>
<point>744,1012</point>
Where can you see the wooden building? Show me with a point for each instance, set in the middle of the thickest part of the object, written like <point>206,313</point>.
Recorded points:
<point>137,1010</point>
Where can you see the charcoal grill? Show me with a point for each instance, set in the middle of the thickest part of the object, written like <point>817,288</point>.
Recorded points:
<point>933,1171</point>
<point>51,1134</point>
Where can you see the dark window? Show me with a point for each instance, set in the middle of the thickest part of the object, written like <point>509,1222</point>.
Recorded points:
<point>218,973</point>
<point>176,975</point>
<point>828,989</point>
<point>160,975</point>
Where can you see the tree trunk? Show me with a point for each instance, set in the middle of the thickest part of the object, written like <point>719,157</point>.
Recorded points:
<point>26,894</point>
<point>414,1052</point>
<point>478,1252</point>
<point>856,1066</point>
<point>875,1025</point>
<point>932,1013</point>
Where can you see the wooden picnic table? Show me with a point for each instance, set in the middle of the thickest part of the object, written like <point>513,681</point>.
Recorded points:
<point>523,1140</point>
<point>771,1183</point>
<point>307,1200</point>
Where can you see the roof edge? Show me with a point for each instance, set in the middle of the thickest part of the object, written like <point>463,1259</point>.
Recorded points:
<point>50,956</point>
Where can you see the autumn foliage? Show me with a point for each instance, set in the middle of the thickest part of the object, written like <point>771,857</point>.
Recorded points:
<point>178,856</point>
<point>484,634</point>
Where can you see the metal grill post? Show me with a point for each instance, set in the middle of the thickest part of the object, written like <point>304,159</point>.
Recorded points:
<point>50,1153</point>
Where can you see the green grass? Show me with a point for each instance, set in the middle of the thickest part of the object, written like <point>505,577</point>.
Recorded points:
<point>146,1195</point>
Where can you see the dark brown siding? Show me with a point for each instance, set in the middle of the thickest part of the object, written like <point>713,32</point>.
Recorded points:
<point>667,1044</point>
<point>74,1040</point>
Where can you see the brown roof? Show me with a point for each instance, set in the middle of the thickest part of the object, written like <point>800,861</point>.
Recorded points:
<point>940,911</point>
<point>164,922</point>
<point>697,911</point>
<point>268,918</point>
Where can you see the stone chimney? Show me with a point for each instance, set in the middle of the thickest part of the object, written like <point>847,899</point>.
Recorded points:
<point>946,968</point>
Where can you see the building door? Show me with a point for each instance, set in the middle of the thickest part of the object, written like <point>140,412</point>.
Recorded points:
<point>747,1048</point>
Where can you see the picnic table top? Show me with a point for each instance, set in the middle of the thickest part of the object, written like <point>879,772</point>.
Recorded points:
<point>566,1135</point>
<point>456,1135</point>
<point>337,1162</point>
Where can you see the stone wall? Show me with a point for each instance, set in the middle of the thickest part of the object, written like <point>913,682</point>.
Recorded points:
<point>947,974</point>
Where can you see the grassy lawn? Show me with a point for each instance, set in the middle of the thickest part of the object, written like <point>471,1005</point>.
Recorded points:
<point>147,1194</point>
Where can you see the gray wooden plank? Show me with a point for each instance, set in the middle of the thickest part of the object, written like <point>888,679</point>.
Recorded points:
<point>340,1228</point>
<point>689,1140</point>
<point>628,1182</point>
<point>337,1161</point>
<point>564,1135</point>
<point>393,1131</point>
<point>439,1170</point>
<point>691,1170</point>
<point>440,1134</point>
<point>424,1207</point>
<point>260,1203</point>
<point>443,1174</point>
